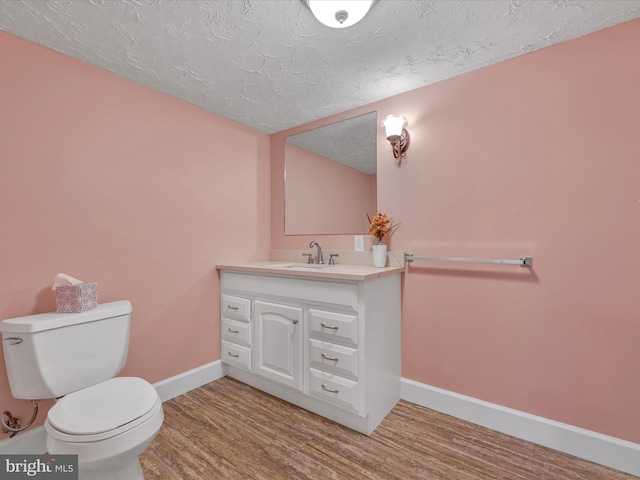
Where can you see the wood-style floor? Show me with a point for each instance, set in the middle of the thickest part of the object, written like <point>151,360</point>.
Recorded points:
<point>227,430</point>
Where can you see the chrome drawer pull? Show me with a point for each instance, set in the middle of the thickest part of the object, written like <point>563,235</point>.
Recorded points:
<point>233,331</point>
<point>324,387</point>
<point>233,355</point>
<point>229,307</point>
<point>333,359</point>
<point>332,327</point>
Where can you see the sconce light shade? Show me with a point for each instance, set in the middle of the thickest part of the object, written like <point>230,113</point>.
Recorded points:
<point>339,13</point>
<point>397,134</point>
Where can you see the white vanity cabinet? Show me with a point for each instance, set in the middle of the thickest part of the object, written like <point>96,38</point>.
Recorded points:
<point>329,345</point>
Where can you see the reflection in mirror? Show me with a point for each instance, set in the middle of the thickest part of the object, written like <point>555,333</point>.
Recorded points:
<point>330,178</point>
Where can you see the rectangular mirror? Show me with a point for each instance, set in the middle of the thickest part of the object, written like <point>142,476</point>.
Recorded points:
<point>330,178</point>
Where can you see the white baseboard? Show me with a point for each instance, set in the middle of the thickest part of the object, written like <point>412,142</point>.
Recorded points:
<point>186,381</point>
<point>595,447</point>
<point>33,441</point>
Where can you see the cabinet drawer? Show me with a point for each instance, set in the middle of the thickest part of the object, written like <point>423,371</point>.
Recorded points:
<point>335,359</point>
<point>334,389</point>
<point>236,355</point>
<point>334,327</point>
<point>236,332</point>
<point>236,308</point>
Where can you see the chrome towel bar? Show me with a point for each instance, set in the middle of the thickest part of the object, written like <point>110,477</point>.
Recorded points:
<point>523,261</point>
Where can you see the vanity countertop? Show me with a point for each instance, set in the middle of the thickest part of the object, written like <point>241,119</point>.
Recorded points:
<point>336,272</point>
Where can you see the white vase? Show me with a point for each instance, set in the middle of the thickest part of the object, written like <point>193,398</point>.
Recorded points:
<point>379,255</point>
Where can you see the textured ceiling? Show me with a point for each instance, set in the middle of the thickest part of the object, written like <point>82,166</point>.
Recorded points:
<point>351,142</point>
<point>270,65</point>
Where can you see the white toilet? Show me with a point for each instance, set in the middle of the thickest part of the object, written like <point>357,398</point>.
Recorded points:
<point>106,421</point>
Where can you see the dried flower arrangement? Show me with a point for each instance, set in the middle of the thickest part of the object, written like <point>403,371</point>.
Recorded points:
<point>381,226</point>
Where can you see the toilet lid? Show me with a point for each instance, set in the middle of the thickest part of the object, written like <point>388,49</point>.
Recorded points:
<point>103,407</point>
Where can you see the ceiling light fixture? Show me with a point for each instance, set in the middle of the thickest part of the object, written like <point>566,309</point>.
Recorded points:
<point>339,13</point>
<point>397,134</point>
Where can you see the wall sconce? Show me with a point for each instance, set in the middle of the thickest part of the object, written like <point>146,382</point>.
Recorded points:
<point>339,13</point>
<point>397,135</point>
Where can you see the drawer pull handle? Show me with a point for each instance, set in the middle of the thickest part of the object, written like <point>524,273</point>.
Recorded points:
<point>230,307</point>
<point>324,387</point>
<point>234,355</point>
<point>231,330</point>
<point>333,359</point>
<point>331,327</point>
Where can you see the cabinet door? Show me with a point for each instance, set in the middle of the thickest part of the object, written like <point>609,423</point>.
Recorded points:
<point>278,343</point>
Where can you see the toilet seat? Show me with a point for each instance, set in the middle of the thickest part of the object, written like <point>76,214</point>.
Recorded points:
<point>103,410</point>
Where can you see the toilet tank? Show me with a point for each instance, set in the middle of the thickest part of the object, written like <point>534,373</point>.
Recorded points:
<point>52,354</point>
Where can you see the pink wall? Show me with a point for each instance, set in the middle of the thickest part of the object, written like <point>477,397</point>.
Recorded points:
<point>115,183</point>
<point>540,156</point>
<point>317,189</point>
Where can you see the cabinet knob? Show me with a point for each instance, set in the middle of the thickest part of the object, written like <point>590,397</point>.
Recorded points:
<point>333,359</point>
<point>326,389</point>
<point>330,327</point>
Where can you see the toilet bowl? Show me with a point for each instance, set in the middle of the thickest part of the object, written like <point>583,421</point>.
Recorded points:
<point>108,426</point>
<point>107,421</point>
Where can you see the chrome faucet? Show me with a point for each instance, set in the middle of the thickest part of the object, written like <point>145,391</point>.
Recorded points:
<point>316,244</point>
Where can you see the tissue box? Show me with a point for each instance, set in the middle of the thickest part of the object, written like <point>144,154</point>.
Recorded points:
<point>76,298</point>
